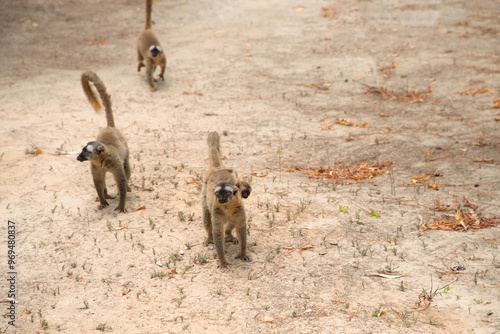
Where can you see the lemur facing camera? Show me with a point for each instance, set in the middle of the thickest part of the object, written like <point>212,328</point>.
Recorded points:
<point>222,204</point>
<point>109,152</point>
<point>150,50</point>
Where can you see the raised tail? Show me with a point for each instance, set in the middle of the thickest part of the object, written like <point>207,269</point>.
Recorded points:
<point>96,102</point>
<point>149,9</point>
<point>214,155</point>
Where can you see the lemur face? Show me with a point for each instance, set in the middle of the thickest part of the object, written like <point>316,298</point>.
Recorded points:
<point>90,151</point>
<point>224,192</point>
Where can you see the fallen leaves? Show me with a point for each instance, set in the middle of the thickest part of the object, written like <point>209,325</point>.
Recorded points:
<point>496,104</point>
<point>386,70</point>
<point>96,42</point>
<point>193,180</point>
<point>422,303</point>
<point>462,219</point>
<point>259,174</point>
<point>306,247</point>
<point>33,151</point>
<point>347,122</point>
<point>363,171</point>
<point>481,90</point>
<point>326,125</point>
<point>328,12</point>
<point>419,178</point>
<point>192,93</point>
<point>414,96</point>
<point>142,207</point>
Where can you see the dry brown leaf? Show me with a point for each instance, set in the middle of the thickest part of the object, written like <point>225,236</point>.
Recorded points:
<point>496,104</point>
<point>317,85</point>
<point>390,241</point>
<point>80,279</point>
<point>476,91</point>
<point>421,304</point>
<point>192,93</point>
<point>172,271</point>
<point>372,143</point>
<point>485,160</point>
<point>306,247</point>
<point>440,206</point>
<point>384,115</point>
<point>142,207</point>
<point>419,178</point>
<point>37,151</point>
<point>413,96</point>
<point>326,126</point>
<point>346,122</point>
<point>349,139</point>
<point>126,292</point>
<point>193,180</point>
<point>386,70</point>
<point>258,174</point>
<point>97,42</point>
<point>328,12</point>
<point>432,186</point>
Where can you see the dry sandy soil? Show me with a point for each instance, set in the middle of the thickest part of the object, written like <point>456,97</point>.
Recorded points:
<point>273,77</point>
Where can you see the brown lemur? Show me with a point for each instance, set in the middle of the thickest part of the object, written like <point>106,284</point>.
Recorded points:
<point>150,50</point>
<point>222,204</point>
<point>109,152</point>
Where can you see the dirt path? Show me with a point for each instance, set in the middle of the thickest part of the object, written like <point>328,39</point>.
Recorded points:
<point>286,84</point>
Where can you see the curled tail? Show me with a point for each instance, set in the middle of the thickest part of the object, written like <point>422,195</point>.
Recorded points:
<point>149,9</point>
<point>214,155</point>
<point>89,76</point>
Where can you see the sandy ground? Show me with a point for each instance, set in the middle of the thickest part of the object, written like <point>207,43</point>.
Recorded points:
<point>272,77</point>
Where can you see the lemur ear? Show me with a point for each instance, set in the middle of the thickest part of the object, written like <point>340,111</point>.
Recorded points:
<point>100,148</point>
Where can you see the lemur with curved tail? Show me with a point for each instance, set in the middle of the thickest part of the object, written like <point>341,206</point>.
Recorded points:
<point>109,152</point>
<point>149,50</point>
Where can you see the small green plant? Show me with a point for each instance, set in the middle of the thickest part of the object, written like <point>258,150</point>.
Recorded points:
<point>200,258</point>
<point>159,274</point>
<point>377,312</point>
<point>374,213</point>
<point>402,286</point>
<point>181,215</point>
<point>343,209</point>
<point>104,326</point>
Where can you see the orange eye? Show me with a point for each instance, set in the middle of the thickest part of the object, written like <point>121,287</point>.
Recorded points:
<point>216,193</point>
<point>228,193</point>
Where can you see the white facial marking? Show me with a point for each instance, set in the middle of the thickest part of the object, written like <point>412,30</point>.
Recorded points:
<point>152,47</point>
<point>218,188</point>
<point>90,148</point>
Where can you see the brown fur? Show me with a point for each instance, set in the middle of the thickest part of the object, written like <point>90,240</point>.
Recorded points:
<point>219,219</point>
<point>145,41</point>
<point>109,153</point>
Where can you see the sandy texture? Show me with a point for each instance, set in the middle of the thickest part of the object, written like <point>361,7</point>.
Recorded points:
<point>272,77</point>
